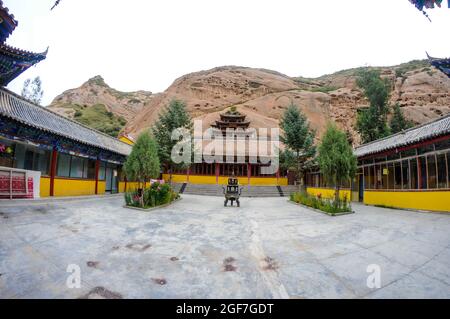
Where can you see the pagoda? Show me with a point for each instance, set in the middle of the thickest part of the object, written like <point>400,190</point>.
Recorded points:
<point>13,61</point>
<point>232,119</point>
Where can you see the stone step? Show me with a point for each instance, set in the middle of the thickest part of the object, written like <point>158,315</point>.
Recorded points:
<point>247,191</point>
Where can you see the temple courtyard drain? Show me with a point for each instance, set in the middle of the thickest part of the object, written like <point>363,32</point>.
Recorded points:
<point>197,248</point>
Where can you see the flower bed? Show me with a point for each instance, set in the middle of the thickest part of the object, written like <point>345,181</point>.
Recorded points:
<point>156,195</point>
<point>329,207</point>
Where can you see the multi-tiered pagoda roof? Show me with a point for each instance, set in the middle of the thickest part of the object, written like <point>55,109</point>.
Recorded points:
<point>232,120</point>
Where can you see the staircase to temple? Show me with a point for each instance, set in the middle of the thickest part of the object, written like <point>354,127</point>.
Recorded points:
<point>247,191</point>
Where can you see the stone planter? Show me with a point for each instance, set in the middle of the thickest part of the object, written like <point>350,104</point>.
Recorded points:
<point>152,208</point>
<point>320,211</point>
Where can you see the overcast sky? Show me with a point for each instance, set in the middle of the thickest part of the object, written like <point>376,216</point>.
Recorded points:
<point>147,44</point>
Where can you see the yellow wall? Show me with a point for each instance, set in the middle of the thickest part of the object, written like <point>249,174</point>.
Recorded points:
<point>45,187</point>
<point>101,187</point>
<point>73,187</point>
<point>223,180</point>
<point>420,200</point>
<point>175,178</point>
<point>266,181</point>
<point>329,193</point>
<point>195,179</point>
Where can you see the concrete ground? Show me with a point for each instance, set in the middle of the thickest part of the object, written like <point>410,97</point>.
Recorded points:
<point>196,248</point>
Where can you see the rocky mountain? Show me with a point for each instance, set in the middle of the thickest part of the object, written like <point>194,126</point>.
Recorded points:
<point>100,106</point>
<point>422,92</point>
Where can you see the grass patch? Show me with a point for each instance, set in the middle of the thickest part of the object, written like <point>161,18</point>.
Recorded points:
<point>329,207</point>
<point>156,195</point>
<point>99,118</point>
<point>324,89</point>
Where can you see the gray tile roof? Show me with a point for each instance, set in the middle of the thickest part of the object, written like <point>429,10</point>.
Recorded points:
<point>23,111</point>
<point>414,135</point>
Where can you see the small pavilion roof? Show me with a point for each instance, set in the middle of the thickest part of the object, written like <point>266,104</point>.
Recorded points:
<point>411,136</point>
<point>16,108</point>
<point>7,23</point>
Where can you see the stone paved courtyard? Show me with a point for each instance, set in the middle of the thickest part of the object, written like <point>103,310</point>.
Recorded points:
<point>196,248</point>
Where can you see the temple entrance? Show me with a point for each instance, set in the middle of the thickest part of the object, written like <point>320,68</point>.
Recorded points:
<point>111,176</point>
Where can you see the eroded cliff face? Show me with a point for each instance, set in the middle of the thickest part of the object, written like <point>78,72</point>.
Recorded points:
<point>96,92</point>
<point>422,92</point>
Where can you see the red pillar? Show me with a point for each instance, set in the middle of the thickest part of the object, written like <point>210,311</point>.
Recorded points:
<point>53,171</point>
<point>249,172</point>
<point>97,169</point>
<point>217,173</point>
<point>419,173</point>
<point>188,173</point>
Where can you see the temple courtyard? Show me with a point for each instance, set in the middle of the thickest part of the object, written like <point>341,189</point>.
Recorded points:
<point>196,248</point>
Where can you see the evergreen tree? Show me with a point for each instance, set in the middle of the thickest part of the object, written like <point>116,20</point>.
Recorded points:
<point>174,117</point>
<point>399,122</point>
<point>32,90</point>
<point>372,123</point>
<point>298,139</point>
<point>143,163</point>
<point>336,159</point>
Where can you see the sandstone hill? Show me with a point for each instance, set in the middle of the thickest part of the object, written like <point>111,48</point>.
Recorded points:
<point>422,92</point>
<point>100,106</point>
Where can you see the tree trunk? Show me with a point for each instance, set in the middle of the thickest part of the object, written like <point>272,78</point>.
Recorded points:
<point>301,184</point>
<point>336,195</point>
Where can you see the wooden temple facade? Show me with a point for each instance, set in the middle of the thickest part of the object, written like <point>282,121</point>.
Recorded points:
<point>246,171</point>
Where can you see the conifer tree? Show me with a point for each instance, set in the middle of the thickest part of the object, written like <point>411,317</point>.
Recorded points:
<point>298,139</point>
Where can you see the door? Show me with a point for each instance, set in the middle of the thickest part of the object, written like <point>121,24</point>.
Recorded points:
<point>361,188</point>
<point>108,178</point>
<point>112,178</point>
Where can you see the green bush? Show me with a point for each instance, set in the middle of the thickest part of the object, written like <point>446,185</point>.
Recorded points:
<point>155,195</point>
<point>330,207</point>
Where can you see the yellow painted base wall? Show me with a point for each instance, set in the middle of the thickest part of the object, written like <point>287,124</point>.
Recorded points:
<point>211,180</point>
<point>101,188</point>
<point>420,200</point>
<point>68,187</point>
<point>45,187</point>
<point>329,193</point>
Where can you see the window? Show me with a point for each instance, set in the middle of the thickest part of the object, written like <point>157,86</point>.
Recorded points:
<point>432,178</point>
<point>405,174</point>
<point>425,149</point>
<point>32,158</point>
<point>398,175</point>
<point>423,172</point>
<point>393,156</point>
<point>391,176</point>
<point>380,159</point>
<point>414,178</point>
<point>76,167</point>
<point>372,177</point>
<point>445,145</point>
<point>409,153</point>
<point>6,153</point>
<point>63,165</point>
<point>442,170</point>
<point>366,178</point>
<point>101,171</point>
<point>384,176</point>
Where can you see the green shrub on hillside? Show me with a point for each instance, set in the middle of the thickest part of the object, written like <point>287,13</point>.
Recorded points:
<point>99,118</point>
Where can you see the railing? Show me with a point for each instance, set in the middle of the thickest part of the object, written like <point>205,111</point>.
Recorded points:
<point>15,184</point>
